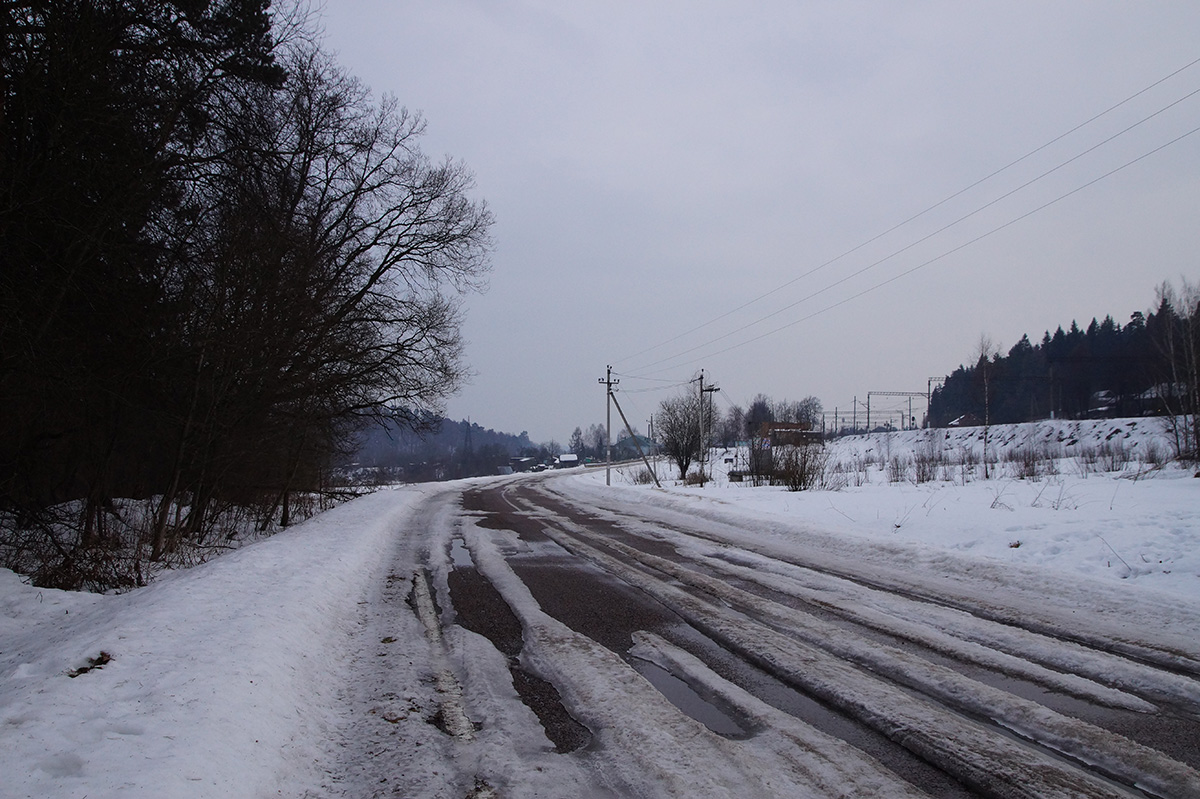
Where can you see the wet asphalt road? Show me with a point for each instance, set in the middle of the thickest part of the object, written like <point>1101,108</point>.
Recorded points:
<point>577,563</point>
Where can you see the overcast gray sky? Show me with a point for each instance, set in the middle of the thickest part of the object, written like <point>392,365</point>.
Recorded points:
<point>674,182</point>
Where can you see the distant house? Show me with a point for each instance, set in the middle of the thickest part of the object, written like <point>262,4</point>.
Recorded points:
<point>1102,405</point>
<point>1162,399</point>
<point>966,420</point>
<point>566,461</point>
<point>522,464</point>
<point>624,449</point>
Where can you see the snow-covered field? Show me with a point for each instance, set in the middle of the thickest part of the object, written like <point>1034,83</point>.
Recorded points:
<point>229,679</point>
<point>1138,523</point>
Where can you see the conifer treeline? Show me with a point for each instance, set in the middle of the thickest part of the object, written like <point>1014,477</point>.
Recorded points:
<point>1147,366</point>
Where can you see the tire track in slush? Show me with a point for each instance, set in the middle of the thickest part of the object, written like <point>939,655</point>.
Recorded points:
<point>599,605</point>
<point>708,604</point>
<point>480,608</point>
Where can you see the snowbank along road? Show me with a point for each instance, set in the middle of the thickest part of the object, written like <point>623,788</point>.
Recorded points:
<point>572,642</point>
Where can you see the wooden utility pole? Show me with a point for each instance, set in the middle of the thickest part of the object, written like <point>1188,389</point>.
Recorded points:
<point>608,383</point>
<point>700,422</point>
<point>650,435</point>
<point>703,443</point>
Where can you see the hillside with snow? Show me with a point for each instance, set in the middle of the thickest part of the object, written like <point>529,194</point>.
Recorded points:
<point>1100,498</point>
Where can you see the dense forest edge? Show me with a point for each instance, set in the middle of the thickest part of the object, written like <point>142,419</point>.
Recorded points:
<point>220,259</point>
<point>1147,367</point>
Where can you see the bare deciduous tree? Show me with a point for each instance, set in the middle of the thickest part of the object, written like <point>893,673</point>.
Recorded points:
<point>986,351</point>
<point>1178,343</point>
<point>251,257</point>
<point>677,427</point>
<point>325,284</point>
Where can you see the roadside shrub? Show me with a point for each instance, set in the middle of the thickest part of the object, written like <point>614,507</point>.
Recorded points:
<point>1026,462</point>
<point>991,459</point>
<point>835,479</point>
<point>838,476</point>
<point>1153,454</point>
<point>967,461</point>
<point>1184,432</point>
<point>98,547</point>
<point>1114,456</point>
<point>927,459</point>
<point>52,548</point>
<point>1087,461</point>
<point>642,477</point>
<point>861,467</point>
<point>802,468</point>
<point>897,469</point>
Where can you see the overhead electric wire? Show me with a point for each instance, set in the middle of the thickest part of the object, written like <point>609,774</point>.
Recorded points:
<point>919,214</point>
<point>946,254</point>
<point>928,236</point>
<point>670,383</point>
<point>639,377</point>
<point>675,384</point>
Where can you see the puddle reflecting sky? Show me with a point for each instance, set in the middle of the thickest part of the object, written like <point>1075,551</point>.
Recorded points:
<point>686,699</point>
<point>460,556</point>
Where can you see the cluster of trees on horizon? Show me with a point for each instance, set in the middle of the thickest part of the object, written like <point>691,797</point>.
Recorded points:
<point>1104,369</point>
<point>440,449</point>
<point>678,425</point>
<point>686,426</point>
<point>1148,366</point>
<point>219,256</point>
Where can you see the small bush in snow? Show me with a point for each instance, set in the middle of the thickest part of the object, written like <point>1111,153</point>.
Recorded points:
<point>1087,460</point>
<point>1027,462</point>
<point>897,469</point>
<point>862,470</point>
<point>1114,456</point>
<point>967,461</point>
<point>60,547</point>
<point>802,468</point>
<point>926,461</point>
<point>835,479</point>
<point>1153,455</point>
<point>642,476</point>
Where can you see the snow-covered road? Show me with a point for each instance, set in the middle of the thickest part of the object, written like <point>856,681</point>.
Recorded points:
<point>994,678</point>
<point>551,636</point>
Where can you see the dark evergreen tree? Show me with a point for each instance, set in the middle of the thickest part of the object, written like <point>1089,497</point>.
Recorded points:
<point>1103,370</point>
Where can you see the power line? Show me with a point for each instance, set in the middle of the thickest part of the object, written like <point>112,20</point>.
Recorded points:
<point>916,216</point>
<point>635,377</point>
<point>922,265</point>
<point>928,236</point>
